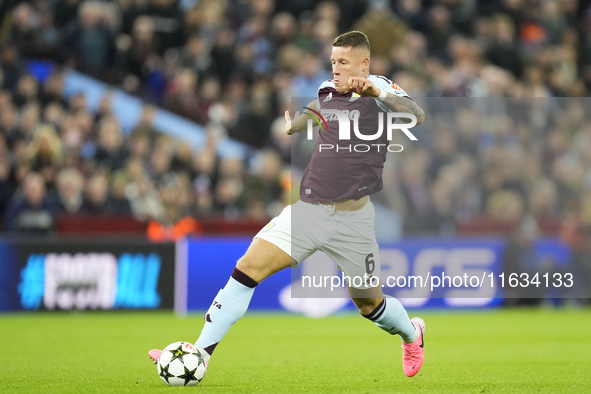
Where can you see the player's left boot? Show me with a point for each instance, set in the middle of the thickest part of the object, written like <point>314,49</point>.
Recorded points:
<point>413,354</point>
<point>155,354</point>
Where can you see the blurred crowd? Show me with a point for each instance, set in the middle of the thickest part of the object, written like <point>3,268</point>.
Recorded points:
<point>504,159</point>
<point>58,158</point>
<point>233,66</point>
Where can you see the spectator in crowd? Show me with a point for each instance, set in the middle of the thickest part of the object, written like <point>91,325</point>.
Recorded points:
<point>181,96</point>
<point>32,211</point>
<point>439,31</point>
<point>263,190</point>
<point>65,11</point>
<point>226,201</point>
<point>575,231</point>
<point>175,222</point>
<point>519,257</point>
<point>87,41</point>
<point>70,190</point>
<point>383,28</point>
<point>142,195</point>
<point>168,20</point>
<point>309,76</point>
<point>111,152</point>
<point>502,50</point>
<point>7,183</point>
<point>96,196</point>
<point>120,202</point>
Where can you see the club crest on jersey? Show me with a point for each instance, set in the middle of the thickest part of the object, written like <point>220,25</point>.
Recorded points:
<point>328,98</point>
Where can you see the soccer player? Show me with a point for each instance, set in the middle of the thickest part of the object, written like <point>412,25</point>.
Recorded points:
<point>334,213</point>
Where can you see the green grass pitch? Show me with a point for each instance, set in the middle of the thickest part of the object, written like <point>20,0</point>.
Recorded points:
<point>521,350</point>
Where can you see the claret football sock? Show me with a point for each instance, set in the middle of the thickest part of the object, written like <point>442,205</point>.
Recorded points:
<point>227,308</point>
<point>391,317</point>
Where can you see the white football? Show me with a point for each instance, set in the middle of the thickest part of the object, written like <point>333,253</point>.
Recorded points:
<point>181,364</point>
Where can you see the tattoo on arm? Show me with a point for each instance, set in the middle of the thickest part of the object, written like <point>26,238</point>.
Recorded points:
<point>403,104</point>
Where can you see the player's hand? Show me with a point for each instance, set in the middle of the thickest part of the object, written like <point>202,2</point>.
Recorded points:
<point>288,122</point>
<point>363,87</point>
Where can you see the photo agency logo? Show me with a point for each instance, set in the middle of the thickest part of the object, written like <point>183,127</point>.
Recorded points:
<point>348,120</point>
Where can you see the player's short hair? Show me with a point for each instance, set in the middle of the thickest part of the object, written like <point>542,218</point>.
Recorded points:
<point>354,39</point>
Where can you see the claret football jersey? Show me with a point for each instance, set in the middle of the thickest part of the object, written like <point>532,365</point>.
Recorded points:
<point>348,168</point>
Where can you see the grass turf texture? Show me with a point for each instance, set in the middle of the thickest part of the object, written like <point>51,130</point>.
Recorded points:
<point>523,350</point>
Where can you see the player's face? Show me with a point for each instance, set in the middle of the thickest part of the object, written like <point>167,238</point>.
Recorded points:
<point>348,62</point>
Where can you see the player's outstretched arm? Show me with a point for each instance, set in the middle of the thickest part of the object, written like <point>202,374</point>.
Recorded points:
<point>299,122</point>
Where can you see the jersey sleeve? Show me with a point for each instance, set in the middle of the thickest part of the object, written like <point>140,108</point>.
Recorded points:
<point>389,86</point>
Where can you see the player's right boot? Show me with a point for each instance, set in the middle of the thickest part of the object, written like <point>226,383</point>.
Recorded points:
<point>155,354</point>
<point>413,354</point>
